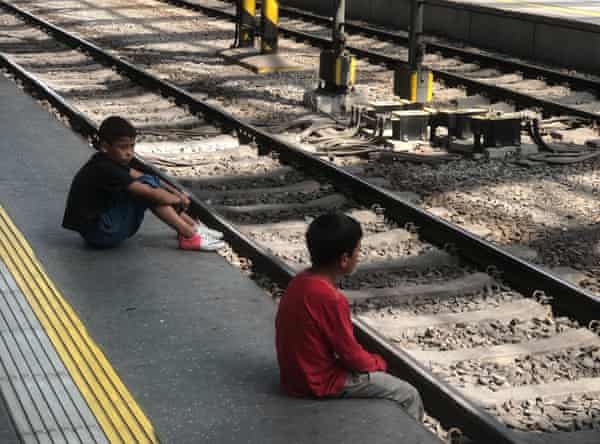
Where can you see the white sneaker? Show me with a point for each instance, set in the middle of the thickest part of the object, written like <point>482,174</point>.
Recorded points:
<point>207,232</point>
<point>211,244</point>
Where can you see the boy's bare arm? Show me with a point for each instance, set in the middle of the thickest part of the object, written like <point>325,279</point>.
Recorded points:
<point>155,195</point>
<point>185,200</point>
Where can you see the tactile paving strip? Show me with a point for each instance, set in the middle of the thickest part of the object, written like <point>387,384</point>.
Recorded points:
<point>56,382</point>
<point>43,401</point>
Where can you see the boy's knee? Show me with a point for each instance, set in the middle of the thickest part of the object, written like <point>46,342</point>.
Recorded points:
<point>403,391</point>
<point>414,394</point>
<point>406,390</point>
<point>413,403</point>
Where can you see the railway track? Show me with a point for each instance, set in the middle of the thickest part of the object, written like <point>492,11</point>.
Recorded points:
<point>477,73</point>
<point>490,344</point>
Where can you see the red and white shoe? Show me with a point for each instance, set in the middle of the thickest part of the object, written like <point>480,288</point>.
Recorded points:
<point>199,243</point>
<point>207,232</point>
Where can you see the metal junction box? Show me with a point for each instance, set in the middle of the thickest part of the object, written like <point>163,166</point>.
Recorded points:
<point>458,121</point>
<point>410,125</point>
<point>491,131</point>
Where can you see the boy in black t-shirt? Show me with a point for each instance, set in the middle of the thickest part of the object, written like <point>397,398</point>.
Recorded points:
<point>108,198</point>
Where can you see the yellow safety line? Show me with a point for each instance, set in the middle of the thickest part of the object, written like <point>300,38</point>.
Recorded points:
<point>564,9</point>
<point>118,414</point>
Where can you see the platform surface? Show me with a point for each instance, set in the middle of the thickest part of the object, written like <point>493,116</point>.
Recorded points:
<point>8,434</point>
<point>189,335</point>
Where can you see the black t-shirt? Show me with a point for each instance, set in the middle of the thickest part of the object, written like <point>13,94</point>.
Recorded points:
<point>93,190</point>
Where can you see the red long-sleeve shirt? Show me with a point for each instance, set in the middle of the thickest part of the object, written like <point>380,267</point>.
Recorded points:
<point>316,347</point>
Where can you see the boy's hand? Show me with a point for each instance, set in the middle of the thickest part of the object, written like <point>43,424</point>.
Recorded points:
<point>185,201</point>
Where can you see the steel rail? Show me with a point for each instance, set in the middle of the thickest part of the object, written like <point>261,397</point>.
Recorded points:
<point>522,100</point>
<point>443,401</point>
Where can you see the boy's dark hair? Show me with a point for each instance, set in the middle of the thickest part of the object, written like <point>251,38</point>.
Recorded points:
<point>331,235</point>
<point>112,129</point>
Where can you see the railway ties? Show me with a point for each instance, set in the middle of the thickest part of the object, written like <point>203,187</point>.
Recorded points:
<point>95,90</point>
<point>503,352</point>
<point>285,199</point>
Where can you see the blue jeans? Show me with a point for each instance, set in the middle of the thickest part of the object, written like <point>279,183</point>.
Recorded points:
<point>122,220</point>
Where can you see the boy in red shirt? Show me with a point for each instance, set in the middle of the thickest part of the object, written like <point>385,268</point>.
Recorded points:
<point>317,352</point>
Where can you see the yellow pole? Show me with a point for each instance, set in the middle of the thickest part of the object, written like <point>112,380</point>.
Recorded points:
<point>269,26</point>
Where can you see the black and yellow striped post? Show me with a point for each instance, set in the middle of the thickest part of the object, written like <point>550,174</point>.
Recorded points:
<point>412,81</point>
<point>337,68</point>
<point>263,60</point>
<point>269,26</point>
<point>246,23</point>
<point>413,84</point>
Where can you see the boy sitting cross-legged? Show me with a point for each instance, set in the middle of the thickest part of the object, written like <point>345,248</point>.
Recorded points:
<point>317,352</point>
<point>108,197</point>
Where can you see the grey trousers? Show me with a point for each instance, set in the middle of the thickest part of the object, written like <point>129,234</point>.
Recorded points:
<point>384,386</point>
